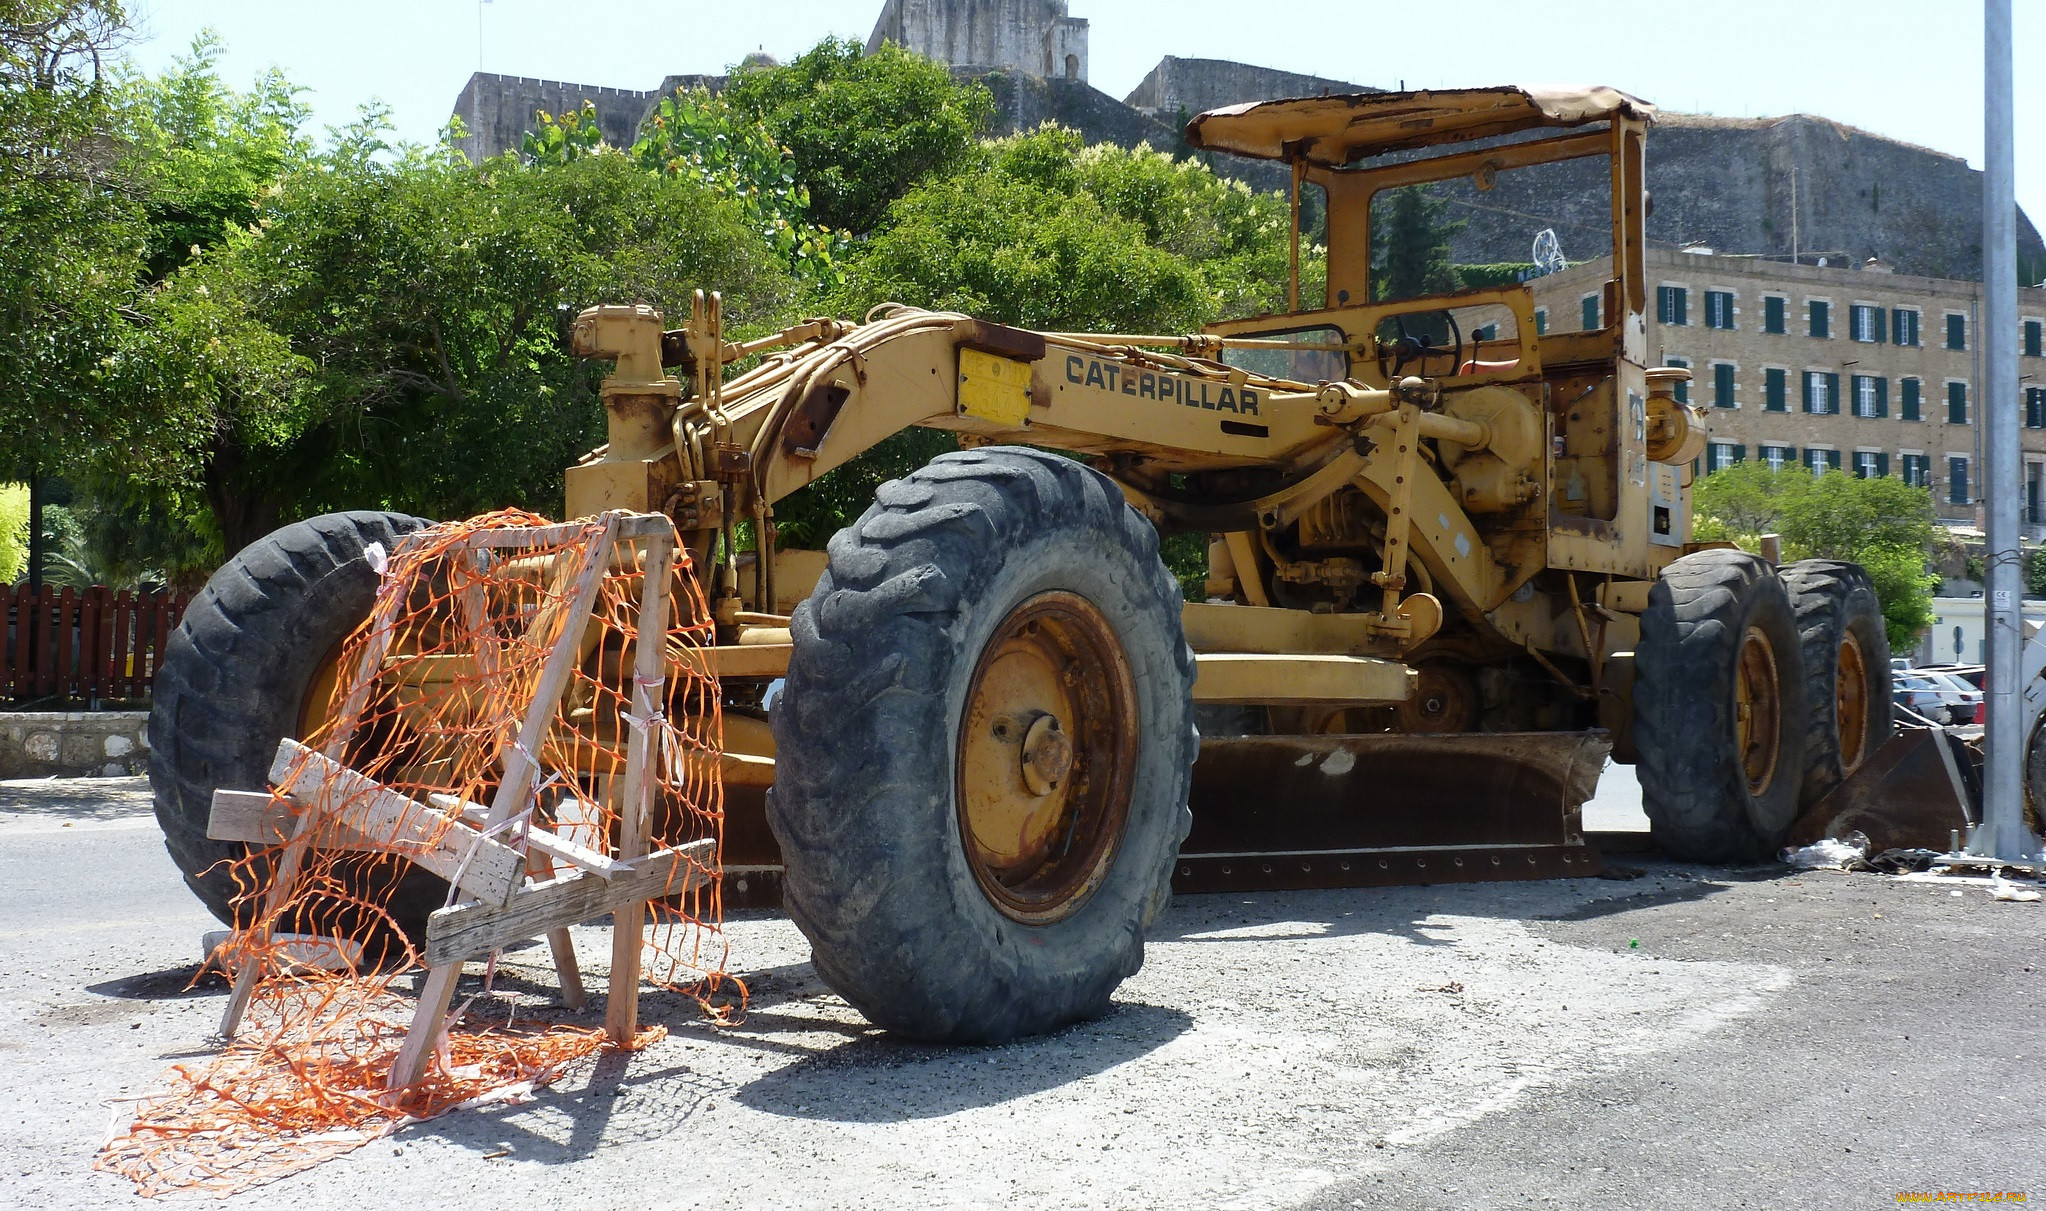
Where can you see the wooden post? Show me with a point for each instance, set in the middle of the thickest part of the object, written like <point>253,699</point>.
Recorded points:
<point>519,762</point>
<point>649,652</point>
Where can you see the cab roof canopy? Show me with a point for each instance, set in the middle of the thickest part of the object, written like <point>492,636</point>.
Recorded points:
<point>1338,130</point>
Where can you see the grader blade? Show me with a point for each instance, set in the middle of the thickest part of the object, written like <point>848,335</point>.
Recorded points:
<point>1285,812</point>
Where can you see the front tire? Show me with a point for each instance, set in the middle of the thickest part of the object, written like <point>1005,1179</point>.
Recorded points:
<point>1719,709</point>
<point>243,670</point>
<point>985,743</point>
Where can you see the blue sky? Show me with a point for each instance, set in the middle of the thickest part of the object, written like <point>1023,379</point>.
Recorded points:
<point>1912,71</point>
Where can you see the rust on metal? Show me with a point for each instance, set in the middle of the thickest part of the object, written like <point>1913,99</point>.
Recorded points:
<point>1019,344</point>
<point>1047,751</point>
<point>1274,812</point>
<point>1908,794</point>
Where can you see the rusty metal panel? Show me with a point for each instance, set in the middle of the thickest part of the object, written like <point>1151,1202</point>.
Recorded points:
<point>1907,795</point>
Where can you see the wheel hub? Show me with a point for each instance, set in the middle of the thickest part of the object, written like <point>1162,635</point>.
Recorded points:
<point>1850,704</point>
<point>1047,748</point>
<point>1757,711</point>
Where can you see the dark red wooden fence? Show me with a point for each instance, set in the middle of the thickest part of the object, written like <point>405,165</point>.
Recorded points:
<point>67,646</point>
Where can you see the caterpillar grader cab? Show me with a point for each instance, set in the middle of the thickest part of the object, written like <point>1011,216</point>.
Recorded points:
<point>975,743</point>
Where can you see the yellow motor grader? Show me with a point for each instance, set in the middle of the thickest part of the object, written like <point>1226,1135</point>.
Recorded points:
<point>975,742</point>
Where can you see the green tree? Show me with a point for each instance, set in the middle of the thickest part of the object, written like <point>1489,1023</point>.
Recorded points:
<point>1881,523</point>
<point>388,332</point>
<point>861,129</point>
<point>1410,236</point>
<point>71,235</point>
<point>207,152</point>
<point>13,531</point>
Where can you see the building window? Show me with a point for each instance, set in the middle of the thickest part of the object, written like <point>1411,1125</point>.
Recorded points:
<point>1775,390</point>
<point>1868,464</point>
<point>1822,318</point>
<point>1721,455</point>
<point>1719,309</point>
<point>1722,385</point>
<point>1904,326</point>
<point>1778,457</point>
<point>1672,305</point>
<point>1865,323</point>
<point>1957,403</point>
<point>1917,469</point>
<point>1772,314</point>
<point>1957,330</point>
<point>1821,461</point>
<point>2035,407</point>
<point>2033,337</point>
<point>1907,399</point>
<point>1588,308</point>
<point>1541,321</point>
<point>1957,479</point>
<point>1682,386</point>
<point>1821,393</point>
<point>1871,395</point>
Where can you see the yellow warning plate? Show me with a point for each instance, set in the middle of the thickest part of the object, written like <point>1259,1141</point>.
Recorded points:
<point>994,388</point>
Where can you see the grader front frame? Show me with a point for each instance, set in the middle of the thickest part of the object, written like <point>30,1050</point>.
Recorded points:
<point>1450,569</point>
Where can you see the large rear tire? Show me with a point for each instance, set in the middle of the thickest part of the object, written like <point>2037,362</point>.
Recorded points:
<point>1719,709</point>
<point>1846,669</point>
<point>243,670</point>
<point>984,749</point>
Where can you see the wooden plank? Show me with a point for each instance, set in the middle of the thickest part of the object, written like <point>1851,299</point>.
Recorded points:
<point>543,840</point>
<point>63,643</point>
<point>468,930</point>
<point>422,834</point>
<point>650,642</point>
<point>428,1020</point>
<point>623,526</point>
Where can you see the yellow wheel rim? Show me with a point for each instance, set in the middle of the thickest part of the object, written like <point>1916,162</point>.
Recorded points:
<point>1850,704</point>
<point>1758,712</point>
<point>1046,755</point>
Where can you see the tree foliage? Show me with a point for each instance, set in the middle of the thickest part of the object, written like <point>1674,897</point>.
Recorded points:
<point>1410,236</point>
<point>70,232</point>
<point>1881,523</point>
<point>862,129</point>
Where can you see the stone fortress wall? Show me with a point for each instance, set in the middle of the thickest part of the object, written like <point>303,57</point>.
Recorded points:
<point>1723,182</point>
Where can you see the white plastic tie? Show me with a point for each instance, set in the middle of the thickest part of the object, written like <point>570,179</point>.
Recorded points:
<point>379,559</point>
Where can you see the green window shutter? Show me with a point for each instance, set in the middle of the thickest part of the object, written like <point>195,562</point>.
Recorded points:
<point>1882,466</point>
<point>1882,396</point>
<point>1957,403</point>
<point>1897,327</point>
<point>1772,315</point>
<point>1879,316</point>
<point>1832,460</point>
<point>1820,321</point>
<point>1589,309</point>
<point>2033,337</point>
<point>1809,406</point>
<point>1832,393</point>
<point>1773,391</point>
<point>1907,399</point>
<point>1722,385</point>
<point>1542,321</point>
<point>1957,332</point>
<point>1683,301</point>
<point>1740,454</point>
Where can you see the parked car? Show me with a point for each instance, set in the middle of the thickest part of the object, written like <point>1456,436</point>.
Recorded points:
<point>1914,693</point>
<point>1963,701</point>
<point>1970,673</point>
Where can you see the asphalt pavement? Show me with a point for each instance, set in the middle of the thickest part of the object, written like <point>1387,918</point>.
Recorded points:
<point>1684,1037</point>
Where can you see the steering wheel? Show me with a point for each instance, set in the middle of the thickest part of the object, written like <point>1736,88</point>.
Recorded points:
<point>1408,348</point>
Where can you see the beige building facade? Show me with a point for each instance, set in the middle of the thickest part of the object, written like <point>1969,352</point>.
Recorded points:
<point>1840,367</point>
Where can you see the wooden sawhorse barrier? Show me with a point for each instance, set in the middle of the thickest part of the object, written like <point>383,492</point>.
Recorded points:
<point>508,895</point>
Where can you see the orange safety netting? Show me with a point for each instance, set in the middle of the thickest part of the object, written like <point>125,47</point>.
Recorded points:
<point>467,617</point>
